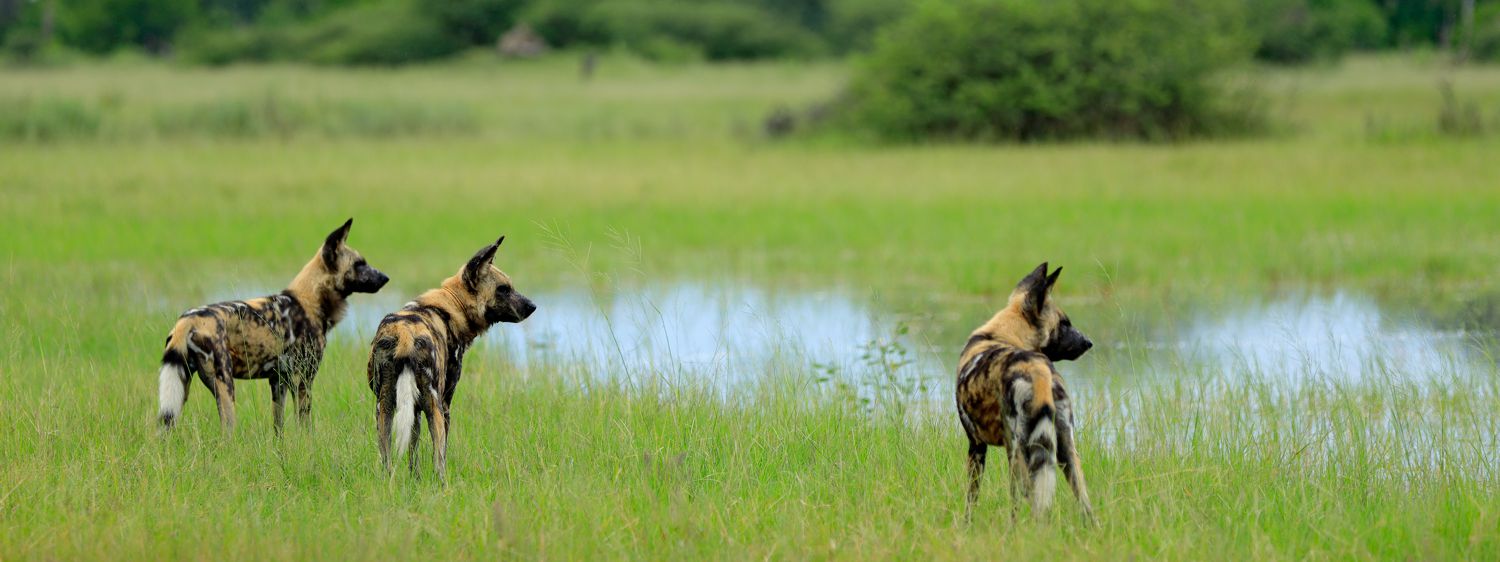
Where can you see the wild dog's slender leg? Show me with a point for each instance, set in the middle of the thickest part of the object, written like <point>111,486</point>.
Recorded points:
<point>413,451</point>
<point>977,452</point>
<point>223,388</point>
<point>1067,455</point>
<point>385,409</point>
<point>437,425</point>
<point>304,400</point>
<point>1020,475</point>
<point>214,370</point>
<point>278,400</point>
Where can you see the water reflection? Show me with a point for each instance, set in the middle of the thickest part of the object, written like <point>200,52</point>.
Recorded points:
<point>732,334</point>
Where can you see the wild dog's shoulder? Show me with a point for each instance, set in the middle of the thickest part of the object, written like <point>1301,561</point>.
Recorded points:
<point>416,316</point>
<point>984,354</point>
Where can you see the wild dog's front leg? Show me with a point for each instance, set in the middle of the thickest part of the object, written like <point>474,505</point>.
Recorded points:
<point>278,400</point>
<point>304,400</point>
<point>304,367</point>
<point>1067,454</point>
<point>977,452</point>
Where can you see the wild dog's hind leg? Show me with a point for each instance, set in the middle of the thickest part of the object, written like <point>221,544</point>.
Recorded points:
<point>215,375</point>
<point>212,360</point>
<point>413,451</point>
<point>977,452</point>
<point>1020,475</point>
<point>1067,455</point>
<point>385,409</point>
<point>437,425</point>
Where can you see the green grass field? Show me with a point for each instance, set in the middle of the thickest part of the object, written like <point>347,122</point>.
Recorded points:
<point>130,192</point>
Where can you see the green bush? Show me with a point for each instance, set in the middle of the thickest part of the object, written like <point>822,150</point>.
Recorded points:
<point>717,30</point>
<point>101,26</point>
<point>853,24</point>
<point>1294,31</point>
<point>565,22</point>
<point>217,46</point>
<point>1033,69</point>
<point>1486,42</point>
<point>475,22</point>
<point>385,33</point>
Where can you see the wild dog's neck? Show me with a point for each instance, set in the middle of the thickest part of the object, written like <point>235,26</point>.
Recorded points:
<point>1010,327</point>
<point>313,288</point>
<point>464,321</point>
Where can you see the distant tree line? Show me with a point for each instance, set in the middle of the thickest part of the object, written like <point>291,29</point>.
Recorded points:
<point>402,31</point>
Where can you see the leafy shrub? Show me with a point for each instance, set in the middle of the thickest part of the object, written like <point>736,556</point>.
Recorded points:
<point>1294,31</point>
<point>676,29</point>
<point>385,33</point>
<point>475,22</point>
<point>1486,42</point>
<point>1032,69</point>
<point>101,26</point>
<point>392,32</point>
<point>565,22</point>
<point>853,24</point>
<point>233,44</point>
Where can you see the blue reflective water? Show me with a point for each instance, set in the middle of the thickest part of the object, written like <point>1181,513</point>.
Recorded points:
<point>732,334</point>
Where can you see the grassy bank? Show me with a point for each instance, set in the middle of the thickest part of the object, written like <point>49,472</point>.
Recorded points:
<point>659,173</point>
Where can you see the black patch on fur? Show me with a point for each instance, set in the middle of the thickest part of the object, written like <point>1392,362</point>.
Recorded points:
<point>973,340</point>
<point>1040,414</point>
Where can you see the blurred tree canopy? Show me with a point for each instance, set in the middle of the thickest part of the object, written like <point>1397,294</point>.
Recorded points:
<point>398,31</point>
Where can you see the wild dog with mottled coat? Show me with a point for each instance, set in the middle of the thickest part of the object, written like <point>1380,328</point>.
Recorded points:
<point>417,356</point>
<point>1010,395</point>
<point>280,337</point>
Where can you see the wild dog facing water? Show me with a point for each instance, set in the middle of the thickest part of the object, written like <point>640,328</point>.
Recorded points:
<point>417,356</point>
<point>280,337</point>
<point>1009,395</point>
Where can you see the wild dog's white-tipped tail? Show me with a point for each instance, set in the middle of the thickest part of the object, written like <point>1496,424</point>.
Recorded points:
<point>172,389</point>
<point>406,415</point>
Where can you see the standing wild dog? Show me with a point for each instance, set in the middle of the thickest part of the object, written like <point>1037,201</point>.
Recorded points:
<point>418,353</point>
<point>280,337</point>
<point>1009,394</point>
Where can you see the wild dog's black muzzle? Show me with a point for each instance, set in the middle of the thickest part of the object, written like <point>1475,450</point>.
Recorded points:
<point>369,280</point>
<point>1069,344</point>
<point>526,308</point>
<point>512,309</point>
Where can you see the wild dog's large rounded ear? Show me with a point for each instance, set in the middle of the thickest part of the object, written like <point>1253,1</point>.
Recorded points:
<point>474,270</point>
<point>331,245</point>
<point>1034,286</point>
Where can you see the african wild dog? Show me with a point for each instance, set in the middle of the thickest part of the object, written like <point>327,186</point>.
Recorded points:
<point>417,356</point>
<point>1009,395</point>
<point>280,337</point>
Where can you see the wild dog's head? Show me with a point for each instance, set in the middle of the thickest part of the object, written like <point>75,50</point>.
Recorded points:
<point>491,295</point>
<point>346,269</point>
<point>1033,318</point>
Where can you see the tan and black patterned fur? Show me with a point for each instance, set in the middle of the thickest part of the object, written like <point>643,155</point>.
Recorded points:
<point>417,356</point>
<point>1010,395</point>
<point>279,337</point>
